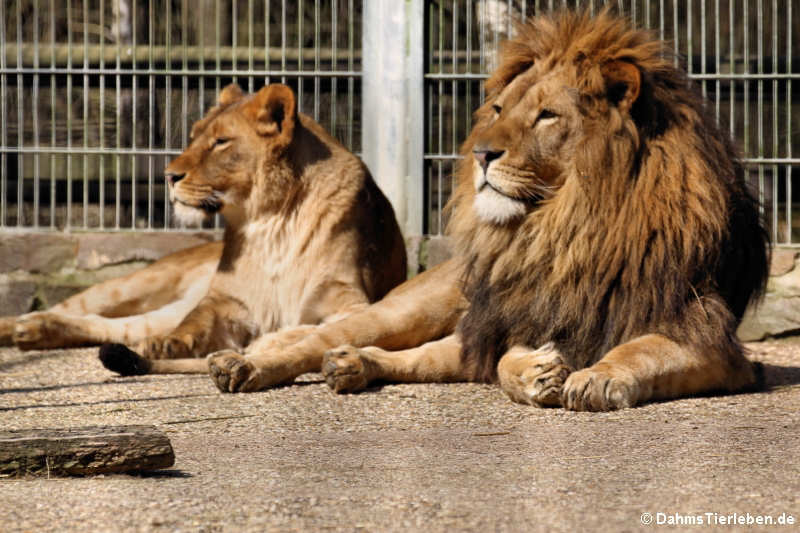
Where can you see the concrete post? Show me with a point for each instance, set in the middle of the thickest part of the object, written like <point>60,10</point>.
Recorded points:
<point>392,106</point>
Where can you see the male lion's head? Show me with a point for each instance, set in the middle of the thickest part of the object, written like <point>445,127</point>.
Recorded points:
<point>238,147</point>
<point>597,197</point>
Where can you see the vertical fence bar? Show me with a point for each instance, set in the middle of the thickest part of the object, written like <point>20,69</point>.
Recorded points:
<point>316,59</point>
<point>85,156</point>
<point>334,64</point>
<point>20,125</point>
<point>3,119</point>
<point>134,84</point>
<point>789,205</point>
<point>775,121</point>
<point>267,61</point>
<point>68,224</point>
<point>35,115</point>
<point>350,79</point>
<point>300,80</point>
<point>151,89</point>
<point>760,104</point>
<point>52,114</point>
<point>102,114</point>
<point>717,54</point>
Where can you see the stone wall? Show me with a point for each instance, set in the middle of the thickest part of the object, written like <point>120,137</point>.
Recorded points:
<point>779,312</point>
<point>38,270</point>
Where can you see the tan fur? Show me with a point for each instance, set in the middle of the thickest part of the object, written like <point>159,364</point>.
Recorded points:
<point>606,241</point>
<point>150,301</point>
<point>309,237</point>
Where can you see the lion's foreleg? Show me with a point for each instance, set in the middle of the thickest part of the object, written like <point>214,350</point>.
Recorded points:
<point>655,367</point>
<point>349,369</point>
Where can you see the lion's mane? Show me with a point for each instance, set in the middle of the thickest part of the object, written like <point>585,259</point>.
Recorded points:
<point>653,219</point>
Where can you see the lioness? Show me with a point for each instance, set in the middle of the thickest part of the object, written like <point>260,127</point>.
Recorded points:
<point>148,302</point>
<point>309,237</point>
<point>607,245</point>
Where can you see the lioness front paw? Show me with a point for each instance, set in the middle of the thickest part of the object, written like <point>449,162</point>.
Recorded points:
<point>600,389</point>
<point>38,331</point>
<point>534,377</point>
<point>346,369</point>
<point>232,372</point>
<point>164,348</point>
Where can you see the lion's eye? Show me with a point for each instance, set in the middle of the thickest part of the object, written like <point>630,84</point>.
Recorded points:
<point>497,109</point>
<point>544,114</point>
<point>221,140</point>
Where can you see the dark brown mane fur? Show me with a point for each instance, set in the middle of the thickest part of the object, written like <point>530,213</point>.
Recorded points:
<point>653,220</point>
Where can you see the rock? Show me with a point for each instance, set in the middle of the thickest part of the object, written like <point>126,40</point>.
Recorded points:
<point>101,249</point>
<point>439,250</point>
<point>16,296</point>
<point>36,252</point>
<point>777,315</point>
<point>782,262</point>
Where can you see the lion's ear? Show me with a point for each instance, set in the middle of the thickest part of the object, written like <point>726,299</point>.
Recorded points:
<point>275,112</point>
<point>229,94</point>
<point>623,82</point>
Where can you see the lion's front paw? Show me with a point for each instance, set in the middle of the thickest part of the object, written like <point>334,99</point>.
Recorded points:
<point>164,348</point>
<point>232,372</point>
<point>346,369</point>
<point>600,389</point>
<point>534,377</point>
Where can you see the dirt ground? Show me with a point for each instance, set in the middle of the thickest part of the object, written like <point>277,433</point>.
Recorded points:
<point>457,457</point>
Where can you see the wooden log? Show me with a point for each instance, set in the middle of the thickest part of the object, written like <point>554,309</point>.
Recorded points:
<point>83,451</point>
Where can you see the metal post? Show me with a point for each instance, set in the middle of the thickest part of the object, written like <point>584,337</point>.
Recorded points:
<point>393,105</point>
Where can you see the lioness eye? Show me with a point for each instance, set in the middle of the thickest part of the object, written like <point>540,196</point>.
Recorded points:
<point>545,114</point>
<point>497,108</point>
<point>220,141</point>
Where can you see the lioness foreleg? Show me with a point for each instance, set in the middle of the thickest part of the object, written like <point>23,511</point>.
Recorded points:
<point>655,367</point>
<point>349,369</point>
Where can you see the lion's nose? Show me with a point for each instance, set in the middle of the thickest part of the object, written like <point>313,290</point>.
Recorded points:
<point>173,177</point>
<point>486,156</point>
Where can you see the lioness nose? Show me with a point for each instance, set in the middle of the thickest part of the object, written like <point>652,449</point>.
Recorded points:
<point>486,156</point>
<point>173,177</point>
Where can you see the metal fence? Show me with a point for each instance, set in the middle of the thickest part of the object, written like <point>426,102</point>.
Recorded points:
<point>742,53</point>
<point>96,96</point>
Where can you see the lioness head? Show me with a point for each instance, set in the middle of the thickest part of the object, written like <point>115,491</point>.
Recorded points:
<point>239,146</point>
<point>534,127</point>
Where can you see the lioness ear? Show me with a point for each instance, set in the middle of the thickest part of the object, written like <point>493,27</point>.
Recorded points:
<point>229,94</point>
<point>623,82</point>
<point>275,114</point>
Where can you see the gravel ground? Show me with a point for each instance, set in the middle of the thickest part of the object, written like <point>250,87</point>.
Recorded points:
<point>405,457</point>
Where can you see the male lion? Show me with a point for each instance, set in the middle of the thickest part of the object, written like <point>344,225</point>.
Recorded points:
<point>309,237</point>
<point>607,244</point>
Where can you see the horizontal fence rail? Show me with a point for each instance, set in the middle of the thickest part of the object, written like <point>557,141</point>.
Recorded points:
<point>96,96</point>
